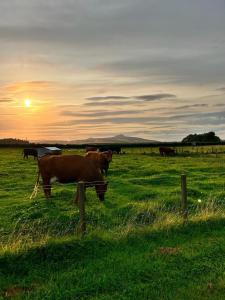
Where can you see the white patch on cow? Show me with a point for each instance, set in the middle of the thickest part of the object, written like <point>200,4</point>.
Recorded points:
<point>53,179</point>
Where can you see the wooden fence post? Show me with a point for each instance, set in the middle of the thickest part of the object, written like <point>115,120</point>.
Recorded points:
<point>81,204</point>
<point>184,206</point>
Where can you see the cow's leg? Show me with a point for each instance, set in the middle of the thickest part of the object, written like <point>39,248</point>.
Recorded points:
<point>47,187</point>
<point>106,170</point>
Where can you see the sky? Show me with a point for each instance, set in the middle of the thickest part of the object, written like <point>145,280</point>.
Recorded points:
<point>97,68</point>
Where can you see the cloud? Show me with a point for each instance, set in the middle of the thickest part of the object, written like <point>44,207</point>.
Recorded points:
<point>31,85</point>
<point>120,120</point>
<point>221,89</point>
<point>208,118</point>
<point>149,97</point>
<point>107,98</point>
<point>111,103</point>
<point>154,97</point>
<point>219,104</point>
<point>102,113</point>
<point>185,69</point>
<point>7,114</point>
<point>192,106</point>
<point>5,100</point>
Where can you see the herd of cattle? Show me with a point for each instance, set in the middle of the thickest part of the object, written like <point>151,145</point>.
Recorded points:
<point>89,168</point>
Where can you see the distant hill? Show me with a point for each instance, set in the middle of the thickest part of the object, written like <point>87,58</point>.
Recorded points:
<point>118,139</point>
<point>209,137</point>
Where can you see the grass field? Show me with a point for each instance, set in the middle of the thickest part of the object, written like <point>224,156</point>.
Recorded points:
<point>137,246</point>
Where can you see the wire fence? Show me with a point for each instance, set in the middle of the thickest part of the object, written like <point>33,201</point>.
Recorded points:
<point>207,188</point>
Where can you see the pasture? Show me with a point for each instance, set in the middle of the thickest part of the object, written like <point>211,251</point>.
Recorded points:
<point>136,247</point>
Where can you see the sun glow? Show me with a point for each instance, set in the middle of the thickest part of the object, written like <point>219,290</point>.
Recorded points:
<point>27,102</point>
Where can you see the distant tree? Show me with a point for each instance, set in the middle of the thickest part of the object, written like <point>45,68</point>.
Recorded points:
<point>12,141</point>
<point>209,137</point>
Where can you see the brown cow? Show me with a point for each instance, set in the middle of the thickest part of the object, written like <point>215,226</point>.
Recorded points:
<point>89,148</point>
<point>101,159</point>
<point>70,168</point>
<point>166,151</point>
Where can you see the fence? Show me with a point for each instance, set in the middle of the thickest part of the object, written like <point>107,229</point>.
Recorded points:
<point>81,197</point>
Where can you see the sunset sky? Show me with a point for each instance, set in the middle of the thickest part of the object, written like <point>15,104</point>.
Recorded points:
<point>95,68</point>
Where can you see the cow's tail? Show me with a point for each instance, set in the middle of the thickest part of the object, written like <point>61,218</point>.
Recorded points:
<point>36,186</point>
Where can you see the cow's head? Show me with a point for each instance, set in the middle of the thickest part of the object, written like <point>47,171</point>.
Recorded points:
<point>101,189</point>
<point>104,161</point>
<point>107,155</point>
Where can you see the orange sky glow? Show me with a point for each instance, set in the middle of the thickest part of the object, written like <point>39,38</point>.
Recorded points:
<point>149,69</point>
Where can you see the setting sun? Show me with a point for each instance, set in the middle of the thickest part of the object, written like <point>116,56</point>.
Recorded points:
<point>27,102</point>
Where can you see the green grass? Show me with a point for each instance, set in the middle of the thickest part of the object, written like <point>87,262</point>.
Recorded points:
<point>137,246</point>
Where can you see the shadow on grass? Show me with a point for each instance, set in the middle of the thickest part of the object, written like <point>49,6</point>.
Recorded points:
<point>142,264</point>
<point>79,251</point>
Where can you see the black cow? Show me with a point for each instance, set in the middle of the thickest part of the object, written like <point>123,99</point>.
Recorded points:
<point>114,148</point>
<point>30,151</point>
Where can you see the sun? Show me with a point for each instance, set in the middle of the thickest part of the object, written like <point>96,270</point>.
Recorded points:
<point>27,102</point>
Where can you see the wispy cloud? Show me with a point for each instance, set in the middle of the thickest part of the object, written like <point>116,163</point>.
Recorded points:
<point>102,113</point>
<point>149,97</point>
<point>5,100</point>
<point>120,120</point>
<point>110,103</point>
<point>107,98</point>
<point>219,104</point>
<point>192,106</point>
<point>31,85</point>
<point>221,89</point>
<point>154,97</point>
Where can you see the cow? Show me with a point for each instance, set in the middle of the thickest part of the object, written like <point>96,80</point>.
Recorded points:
<point>101,159</point>
<point>114,148</point>
<point>91,148</point>
<point>69,169</point>
<point>30,151</point>
<point>166,151</point>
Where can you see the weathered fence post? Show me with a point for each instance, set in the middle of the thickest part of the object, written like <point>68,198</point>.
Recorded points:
<point>184,206</point>
<point>81,204</point>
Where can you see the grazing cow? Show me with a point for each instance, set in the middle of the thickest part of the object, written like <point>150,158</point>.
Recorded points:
<point>114,148</point>
<point>166,151</point>
<point>91,148</point>
<point>101,159</point>
<point>30,151</point>
<point>70,168</point>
